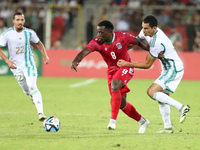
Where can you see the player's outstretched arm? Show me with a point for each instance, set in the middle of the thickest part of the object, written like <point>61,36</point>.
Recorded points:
<point>141,65</point>
<point>79,57</point>
<point>123,63</point>
<point>45,57</point>
<point>142,43</point>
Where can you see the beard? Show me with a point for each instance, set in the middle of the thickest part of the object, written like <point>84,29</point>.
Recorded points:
<point>20,27</point>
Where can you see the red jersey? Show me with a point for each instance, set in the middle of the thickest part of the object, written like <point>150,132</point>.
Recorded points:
<point>114,50</point>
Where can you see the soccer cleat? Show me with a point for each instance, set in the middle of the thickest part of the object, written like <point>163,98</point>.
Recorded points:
<point>31,98</point>
<point>183,112</point>
<point>143,127</point>
<point>112,124</point>
<point>169,130</point>
<point>41,117</point>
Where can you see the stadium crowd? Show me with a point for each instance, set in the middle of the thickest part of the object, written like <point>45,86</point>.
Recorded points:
<point>181,25</point>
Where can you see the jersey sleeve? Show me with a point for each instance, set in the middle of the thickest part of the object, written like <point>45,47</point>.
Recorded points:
<point>155,50</point>
<point>129,38</point>
<point>93,45</point>
<point>3,40</point>
<point>34,37</point>
<point>141,35</point>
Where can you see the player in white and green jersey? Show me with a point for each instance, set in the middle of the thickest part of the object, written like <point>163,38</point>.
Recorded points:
<point>21,60</point>
<point>171,75</point>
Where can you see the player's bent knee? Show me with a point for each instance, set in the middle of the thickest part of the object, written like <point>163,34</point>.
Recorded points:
<point>123,104</point>
<point>115,87</point>
<point>150,93</point>
<point>27,92</point>
<point>33,88</point>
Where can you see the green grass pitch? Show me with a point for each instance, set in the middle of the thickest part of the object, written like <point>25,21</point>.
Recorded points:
<point>84,113</point>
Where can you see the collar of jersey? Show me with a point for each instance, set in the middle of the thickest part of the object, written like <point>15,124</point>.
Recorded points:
<point>155,33</point>
<point>112,39</point>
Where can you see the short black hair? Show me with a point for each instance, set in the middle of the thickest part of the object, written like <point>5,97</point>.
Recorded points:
<point>17,13</point>
<point>151,20</point>
<point>107,24</point>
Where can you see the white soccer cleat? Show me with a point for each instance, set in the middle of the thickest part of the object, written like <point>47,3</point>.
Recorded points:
<point>41,117</point>
<point>112,124</point>
<point>184,110</point>
<point>163,131</point>
<point>143,127</point>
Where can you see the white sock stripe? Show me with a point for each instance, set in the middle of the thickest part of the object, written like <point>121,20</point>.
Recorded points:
<point>154,96</point>
<point>34,92</point>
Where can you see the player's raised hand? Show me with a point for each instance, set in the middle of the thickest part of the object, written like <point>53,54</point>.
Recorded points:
<point>121,63</point>
<point>74,66</point>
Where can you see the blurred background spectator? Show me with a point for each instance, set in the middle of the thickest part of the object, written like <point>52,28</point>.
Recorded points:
<point>196,45</point>
<point>70,22</point>
<point>5,12</point>
<point>134,3</point>
<point>123,24</point>
<point>82,45</point>
<point>57,45</point>
<point>176,38</point>
<point>58,26</point>
<point>104,15</point>
<point>2,26</point>
<point>90,29</point>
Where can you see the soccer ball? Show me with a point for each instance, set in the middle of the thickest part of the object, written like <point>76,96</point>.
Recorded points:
<point>51,124</point>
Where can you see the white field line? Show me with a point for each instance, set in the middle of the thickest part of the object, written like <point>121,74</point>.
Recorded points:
<point>82,83</point>
<point>70,114</point>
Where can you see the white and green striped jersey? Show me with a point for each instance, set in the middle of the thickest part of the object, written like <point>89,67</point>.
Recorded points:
<point>160,42</point>
<point>19,47</point>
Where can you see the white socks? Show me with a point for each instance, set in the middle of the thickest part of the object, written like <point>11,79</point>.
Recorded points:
<point>165,113</point>
<point>37,99</point>
<point>113,121</point>
<point>165,99</point>
<point>142,120</point>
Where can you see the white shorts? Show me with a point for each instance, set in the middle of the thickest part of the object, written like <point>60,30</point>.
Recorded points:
<point>26,78</point>
<point>169,79</point>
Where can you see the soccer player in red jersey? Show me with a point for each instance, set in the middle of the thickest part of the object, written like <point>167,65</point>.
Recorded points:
<point>114,46</point>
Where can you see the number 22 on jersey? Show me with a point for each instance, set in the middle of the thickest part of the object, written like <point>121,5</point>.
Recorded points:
<point>20,50</point>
